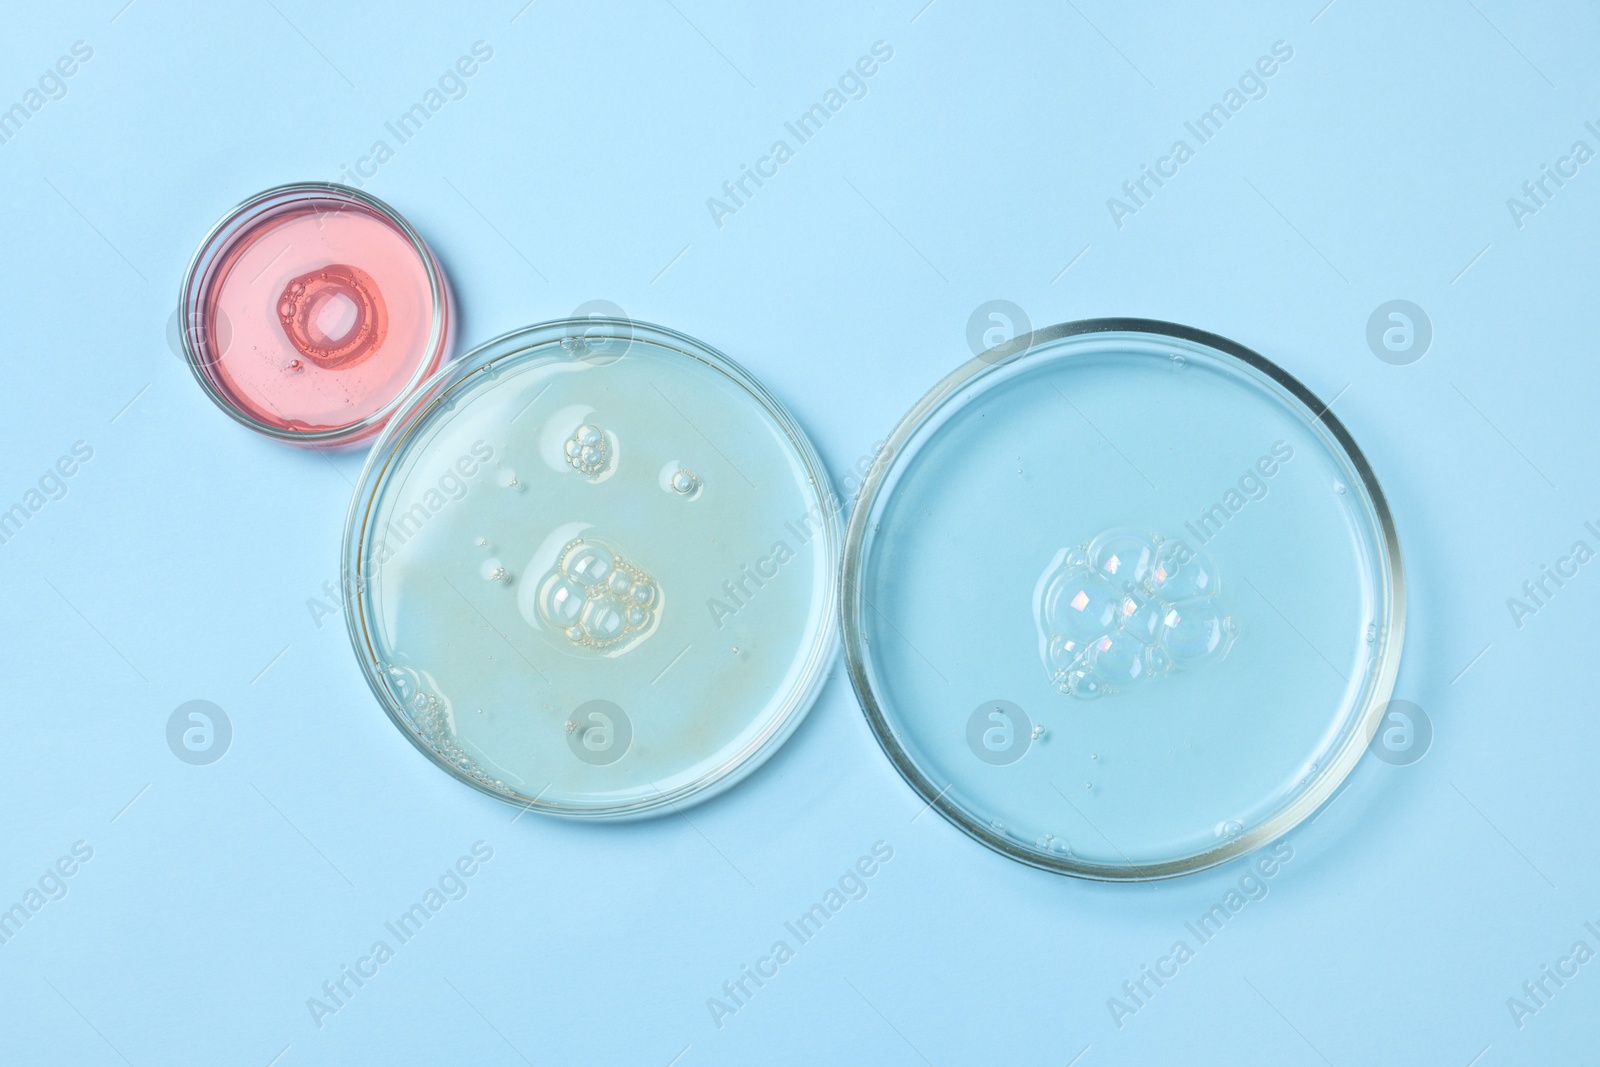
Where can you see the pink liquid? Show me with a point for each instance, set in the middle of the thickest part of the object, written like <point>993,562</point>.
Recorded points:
<point>320,315</point>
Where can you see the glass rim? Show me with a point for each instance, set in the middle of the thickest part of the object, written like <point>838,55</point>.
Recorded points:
<point>197,277</point>
<point>1329,780</point>
<point>394,437</point>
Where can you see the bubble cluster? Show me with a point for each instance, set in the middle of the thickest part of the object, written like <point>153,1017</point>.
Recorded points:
<point>597,598</point>
<point>431,721</point>
<point>588,450</point>
<point>1126,607</point>
<point>309,305</point>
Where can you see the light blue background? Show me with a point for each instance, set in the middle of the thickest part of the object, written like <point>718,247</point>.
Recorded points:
<point>578,165</point>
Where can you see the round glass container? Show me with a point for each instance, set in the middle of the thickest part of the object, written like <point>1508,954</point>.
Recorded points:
<point>311,310</point>
<point>1122,599</point>
<point>590,568</point>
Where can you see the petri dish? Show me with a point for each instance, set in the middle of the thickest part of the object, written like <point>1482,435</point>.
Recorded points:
<point>591,568</point>
<point>311,310</point>
<point>1122,599</point>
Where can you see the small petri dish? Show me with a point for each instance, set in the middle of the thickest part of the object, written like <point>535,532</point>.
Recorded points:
<point>311,310</point>
<point>1122,600</point>
<point>591,568</point>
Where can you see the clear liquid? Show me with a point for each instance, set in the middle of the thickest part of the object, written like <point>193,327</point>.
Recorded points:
<point>1014,564</point>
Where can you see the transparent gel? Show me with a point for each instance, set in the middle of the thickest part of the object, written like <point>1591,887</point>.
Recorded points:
<point>1122,600</point>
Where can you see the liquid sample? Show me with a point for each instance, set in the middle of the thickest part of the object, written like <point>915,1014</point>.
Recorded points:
<point>596,584</point>
<point>314,312</point>
<point>1084,694</point>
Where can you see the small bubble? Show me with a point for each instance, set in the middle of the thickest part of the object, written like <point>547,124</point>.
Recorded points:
<point>1088,785</point>
<point>1038,732</point>
<point>1094,755</point>
<point>1179,362</point>
<point>1338,487</point>
<point>1372,632</point>
<point>1229,828</point>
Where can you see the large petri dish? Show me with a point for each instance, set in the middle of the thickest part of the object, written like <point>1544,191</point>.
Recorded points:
<point>311,310</point>
<point>590,568</point>
<point>1122,599</point>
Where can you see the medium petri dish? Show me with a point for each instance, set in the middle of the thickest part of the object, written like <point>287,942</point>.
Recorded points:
<point>311,310</point>
<point>591,568</point>
<point>1122,600</point>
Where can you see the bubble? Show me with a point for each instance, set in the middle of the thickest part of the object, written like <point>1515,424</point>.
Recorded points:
<point>1099,639</point>
<point>1338,487</point>
<point>603,618</point>
<point>1372,632</point>
<point>684,482</point>
<point>1120,661</point>
<point>590,564</point>
<point>1179,361</point>
<point>588,450</point>
<point>1182,572</point>
<point>594,596</point>
<point>1229,828</point>
<point>1064,653</point>
<point>563,601</point>
<point>1192,633</point>
<point>1125,554</point>
<point>1081,605</point>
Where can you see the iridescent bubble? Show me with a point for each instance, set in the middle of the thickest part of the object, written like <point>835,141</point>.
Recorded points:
<point>1081,605</point>
<point>1120,661</point>
<point>1192,633</point>
<point>1181,572</point>
<point>1123,554</point>
<point>1064,653</point>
